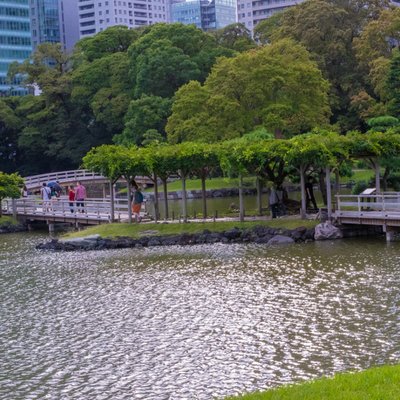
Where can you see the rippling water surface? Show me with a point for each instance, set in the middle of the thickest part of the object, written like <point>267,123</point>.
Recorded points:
<point>191,323</point>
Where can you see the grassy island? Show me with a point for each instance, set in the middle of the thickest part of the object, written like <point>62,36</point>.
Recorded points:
<point>137,230</point>
<point>381,383</point>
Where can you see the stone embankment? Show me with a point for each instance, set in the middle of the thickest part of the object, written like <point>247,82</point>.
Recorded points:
<point>8,227</point>
<point>258,234</point>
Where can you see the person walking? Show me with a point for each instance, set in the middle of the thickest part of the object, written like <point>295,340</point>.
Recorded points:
<point>137,203</point>
<point>71,198</point>
<point>24,191</point>
<point>80,196</point>
<point>310,194</point>
<point>45,193</point>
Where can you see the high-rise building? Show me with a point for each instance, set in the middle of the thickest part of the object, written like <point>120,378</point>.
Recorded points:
<point>97,15</point>
<point>54,21</point>
<point>250,13</point>
<point>205,14</point>
<point>15,41</point>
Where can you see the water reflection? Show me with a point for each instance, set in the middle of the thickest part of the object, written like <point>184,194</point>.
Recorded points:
<point>185,323</point>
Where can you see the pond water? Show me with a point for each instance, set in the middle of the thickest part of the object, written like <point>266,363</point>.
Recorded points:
<point>198,322</point>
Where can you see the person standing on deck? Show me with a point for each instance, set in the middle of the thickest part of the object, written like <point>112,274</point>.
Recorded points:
<point>80,196</point>
<point>45,193</point>
<point>71,198</point>
<point>137,203</point>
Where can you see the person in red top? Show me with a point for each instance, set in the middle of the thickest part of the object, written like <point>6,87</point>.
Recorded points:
<point>71,198</point>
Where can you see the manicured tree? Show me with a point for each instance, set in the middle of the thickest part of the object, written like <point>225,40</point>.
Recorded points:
<point>10,186</point>
<point>162,161</point>
<point>233,161</point>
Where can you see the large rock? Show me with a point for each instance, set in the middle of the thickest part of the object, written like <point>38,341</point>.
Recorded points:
<point>280,239</point>
<point>327,231</point>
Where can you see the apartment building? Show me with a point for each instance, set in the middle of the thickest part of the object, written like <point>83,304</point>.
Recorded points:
<point>250,13</point>
<point>15,42</point>
<point>97,15</point>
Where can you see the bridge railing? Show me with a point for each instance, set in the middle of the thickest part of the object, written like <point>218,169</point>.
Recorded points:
<point>61,207</point>
<point>385,203</point>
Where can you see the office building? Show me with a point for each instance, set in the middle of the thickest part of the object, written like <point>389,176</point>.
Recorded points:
<point>54,21</point>
<point>97,15</point>
<point>250,13</point>
<point>15,40</point>
<point>205,14</point>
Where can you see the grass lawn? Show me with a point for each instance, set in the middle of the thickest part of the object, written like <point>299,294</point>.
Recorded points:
<point>214,183</point>
<point>6,219</point>
<point>137,230</point>
<point>381,383</point>
<point>359,175</point>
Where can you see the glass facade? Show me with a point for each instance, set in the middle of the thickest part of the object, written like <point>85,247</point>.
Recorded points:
<point>45,21</point>
<point>15,42</point>
<point>205,14</point>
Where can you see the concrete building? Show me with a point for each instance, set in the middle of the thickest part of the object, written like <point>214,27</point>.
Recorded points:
<point>250,13</point>
<point>54,21</point>
<point>97,15</point>
<point>205,14</point>
<point>15,42</point>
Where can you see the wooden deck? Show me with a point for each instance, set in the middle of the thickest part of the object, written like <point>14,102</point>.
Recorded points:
<point>378,210</point>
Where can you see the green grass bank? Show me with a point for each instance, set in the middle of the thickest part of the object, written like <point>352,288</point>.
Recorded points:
<point>7,220</point>
<point>382,383</point>
<point>148,229</point>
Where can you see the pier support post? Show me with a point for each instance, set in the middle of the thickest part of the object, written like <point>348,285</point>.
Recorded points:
<point>14,208</point>
<point>51,227</point>
<point>390,233</point>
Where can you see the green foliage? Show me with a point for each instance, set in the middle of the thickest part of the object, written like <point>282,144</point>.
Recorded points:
<point>277,87</point>
<point>235,37</point>
<point>10,186</point>
<point>359,187</point>
<point>393,85</point>
<point>144,114</point>
<point>382,123</point>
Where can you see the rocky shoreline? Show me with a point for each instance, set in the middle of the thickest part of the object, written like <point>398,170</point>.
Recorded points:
<point>258,234</point>
<point>8,227</point>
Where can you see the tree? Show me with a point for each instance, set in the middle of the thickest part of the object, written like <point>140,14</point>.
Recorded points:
<point>144,114</point>
<point>235,37</point>
<point>277,87</point>
<point>115,39</point>
<point>393,85</point>
<point>10,185</point>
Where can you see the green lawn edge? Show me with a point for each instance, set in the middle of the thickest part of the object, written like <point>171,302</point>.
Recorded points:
<point>6,220</point>
<point>160,229</point>
<point>379,383</point>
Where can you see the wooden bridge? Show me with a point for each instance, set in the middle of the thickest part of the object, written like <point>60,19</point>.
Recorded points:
<point>94,211</point>
<point>71,177</point>
<point>375,209</point>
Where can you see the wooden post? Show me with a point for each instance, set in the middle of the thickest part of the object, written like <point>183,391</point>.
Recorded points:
<point>259,184</point>
<point>337,181</point>
<point>14,208</point>
<point>104,191</point>
<point>328,192</point>
<point>303,209</point>
<point>184,198</point>
<point>241,203</point>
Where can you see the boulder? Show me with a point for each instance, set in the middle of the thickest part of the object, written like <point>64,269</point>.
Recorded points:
<point>326,231</point>
<point>280,239</point>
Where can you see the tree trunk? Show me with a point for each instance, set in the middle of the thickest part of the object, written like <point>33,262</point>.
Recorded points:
<point>328,192</point>
<point>241,203</point>
<point>204,195</point>
<point>156,205</point>
<point>303,209</point>
<point>321,182</point>
<point>337,181</point>
<point>165,189</point>
<point>184,198</point>
<point>259,195</point>
<point>112,207</point>
<point>385,178</point>
<point>377,177</point>
<point>129,201</point>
